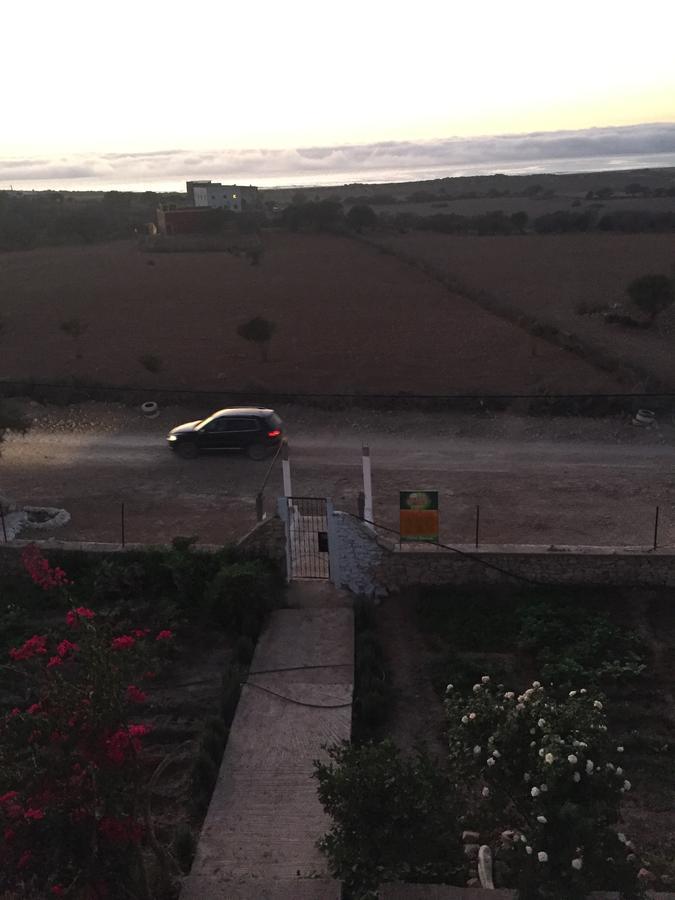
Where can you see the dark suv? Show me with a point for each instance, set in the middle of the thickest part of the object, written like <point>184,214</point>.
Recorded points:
<point>257,431</point>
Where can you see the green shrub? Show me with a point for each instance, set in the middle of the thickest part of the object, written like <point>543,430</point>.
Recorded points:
<point>240,597</point>
<point>244,649</point>
<point>184,847</point>
<point>230,689</point>
<point>546,769</point>
<point>393,818</point>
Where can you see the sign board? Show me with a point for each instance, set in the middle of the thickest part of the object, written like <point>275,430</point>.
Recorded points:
<point>418,516</point>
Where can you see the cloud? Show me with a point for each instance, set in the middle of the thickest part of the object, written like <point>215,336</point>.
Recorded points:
<point>593,148</point>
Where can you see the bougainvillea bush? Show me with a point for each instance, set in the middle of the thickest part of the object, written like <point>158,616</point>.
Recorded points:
<point>73,777</point>
<point>542,776</point>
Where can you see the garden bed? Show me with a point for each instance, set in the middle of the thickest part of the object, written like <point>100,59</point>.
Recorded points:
<point>198,615</point>
<point>518,636</point>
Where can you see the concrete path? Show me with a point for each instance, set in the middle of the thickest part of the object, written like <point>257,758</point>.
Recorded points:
<point>259,838</point>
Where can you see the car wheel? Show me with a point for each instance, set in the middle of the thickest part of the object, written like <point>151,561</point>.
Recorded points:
<point>257,451</point>
<point>187,450</point>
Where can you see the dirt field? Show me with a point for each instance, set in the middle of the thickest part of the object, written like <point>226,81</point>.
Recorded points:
<point>350,319</point>
<point>538,481</point>
<point>549,276</point>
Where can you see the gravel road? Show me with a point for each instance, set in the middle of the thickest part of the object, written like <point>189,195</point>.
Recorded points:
<point>541,481</point>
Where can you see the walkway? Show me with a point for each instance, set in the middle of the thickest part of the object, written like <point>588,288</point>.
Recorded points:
<point>259,837</point>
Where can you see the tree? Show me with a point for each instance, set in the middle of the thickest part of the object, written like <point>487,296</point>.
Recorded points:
<point>259,331</point>
<point>360,217</point>
<point>652,294</point>
<point>520,220</point>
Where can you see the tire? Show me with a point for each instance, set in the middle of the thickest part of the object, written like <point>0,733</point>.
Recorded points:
<point>187,450</point>
<point>257,452</point>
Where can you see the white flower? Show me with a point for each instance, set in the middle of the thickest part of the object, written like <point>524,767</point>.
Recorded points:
<point>476,750</point>
<point>576,777</point>
<point>589,766</point>
<point>523,839</point>
<point>542,820</point>
<point>619,770</point>
<point>602,728</point>
<point>490,761</point>
<point>509,695</point>
<point>631,857</point>
<point>597,704</point>
<point>528,849</point>
<point>572,760</point>
<point>548,759</point>
<point>583,691</point>
<point>535,792</point>
<point>541,751</point>
<point>536,684</point>
<point>448,688</point>
<point>465,720</point>
<point>627,785</point>
<point>472,716</point>
<point>485,792</point>
<point>619,749</point>
<point>527,777</point>
<point>541,723</point>
<point>533,730</point>
<point>609,767</point>
<point>573,693</point>
<point>543,788</point>
<point>476,688</point>
<point>520,706</point>
<point>577,864</point>
<point>496,754</point>
<point>621,837</point>
<point>485,679</point>
<point>542,856</point>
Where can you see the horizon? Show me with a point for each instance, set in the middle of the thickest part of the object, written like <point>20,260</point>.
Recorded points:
<point>622,148</point>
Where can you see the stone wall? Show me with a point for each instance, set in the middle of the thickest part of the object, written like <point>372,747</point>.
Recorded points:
<point>446,892</point>
<point>267,538</point>
<point>369,566</point>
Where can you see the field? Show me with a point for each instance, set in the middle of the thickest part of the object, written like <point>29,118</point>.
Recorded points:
<point>548,277</point>
<point>349,319</point>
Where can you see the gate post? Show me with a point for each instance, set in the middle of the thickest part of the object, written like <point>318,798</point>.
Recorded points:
<point>334,575</point>
<point>282,509</point>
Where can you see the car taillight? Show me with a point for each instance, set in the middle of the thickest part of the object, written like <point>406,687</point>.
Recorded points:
<point>273,434</point>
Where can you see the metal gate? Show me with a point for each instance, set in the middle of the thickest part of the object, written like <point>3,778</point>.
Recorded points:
<point>308,537</point>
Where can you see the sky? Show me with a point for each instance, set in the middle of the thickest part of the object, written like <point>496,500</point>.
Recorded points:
<point>94,92</point>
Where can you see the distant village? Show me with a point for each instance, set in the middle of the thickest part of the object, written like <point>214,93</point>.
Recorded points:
<point>206,201</point>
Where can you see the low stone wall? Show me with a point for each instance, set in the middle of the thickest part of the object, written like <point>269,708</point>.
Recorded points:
<point>446,892</point>
<point>267,538</point>
<point>369,566</point>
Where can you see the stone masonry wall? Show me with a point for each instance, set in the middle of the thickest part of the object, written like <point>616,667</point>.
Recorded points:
<point>370,567</point>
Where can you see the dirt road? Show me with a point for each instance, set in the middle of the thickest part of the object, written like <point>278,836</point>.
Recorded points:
<point>572,481</point>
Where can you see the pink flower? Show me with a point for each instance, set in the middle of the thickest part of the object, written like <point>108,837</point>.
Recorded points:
<point>123,643</point>
<point>65,647</point>
<point>24,859</point>
<point>58,891</point>
<point>140,633</point>
<point>54,661</point>
<point>35,814</point>
<point>164,635</point>
<point>9,835</point>
<point>34,708</point>
<point>34,646</point>
<point>38,568</point>
<point>8,797</point>
<point>74,615</point>
<point>135,695</point>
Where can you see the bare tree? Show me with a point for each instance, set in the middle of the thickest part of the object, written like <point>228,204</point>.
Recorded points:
<point>259,331</point>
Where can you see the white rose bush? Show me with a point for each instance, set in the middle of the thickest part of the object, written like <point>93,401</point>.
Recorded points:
<point>541,774</point>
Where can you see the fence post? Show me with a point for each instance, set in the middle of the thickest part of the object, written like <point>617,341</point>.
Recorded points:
<point>123,535</point>
<point>2,517</point>
<point>656,528</point>
<point>477,523</point>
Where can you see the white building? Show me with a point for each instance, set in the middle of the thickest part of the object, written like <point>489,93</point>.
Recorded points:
<point>222,196</point>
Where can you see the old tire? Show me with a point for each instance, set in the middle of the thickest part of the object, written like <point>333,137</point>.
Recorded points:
<point>187,450</point>
<point>150,409</point>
